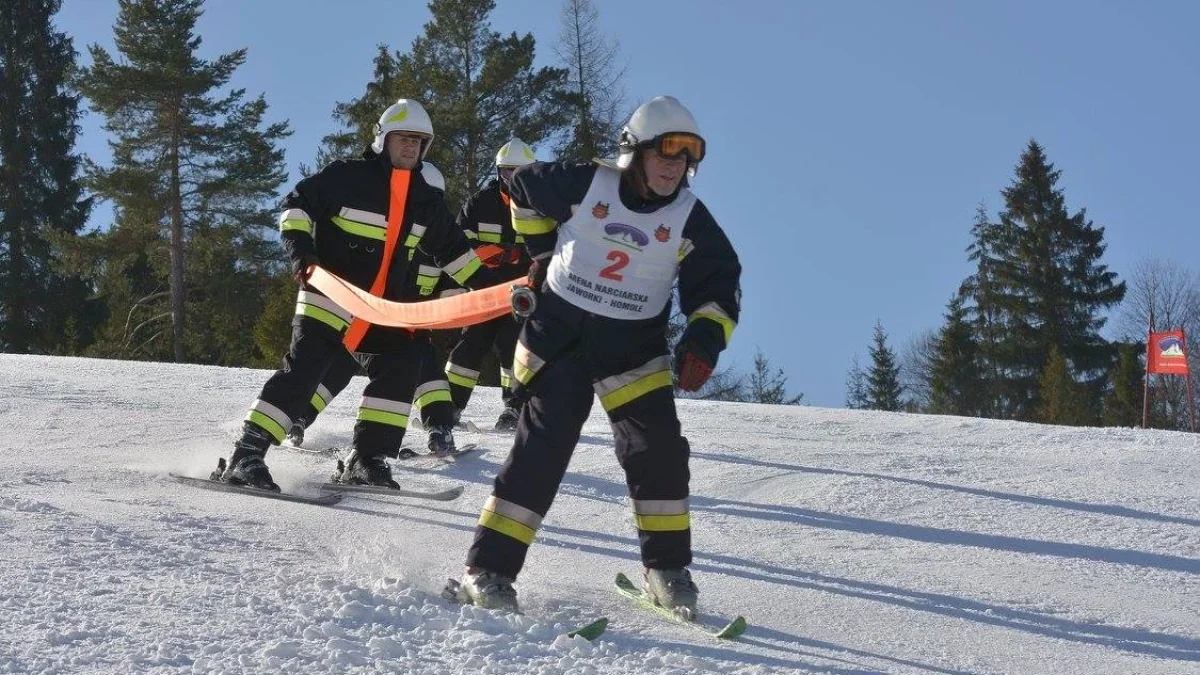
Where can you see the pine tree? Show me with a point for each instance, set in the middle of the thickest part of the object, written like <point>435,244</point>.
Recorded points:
<point>193,181</point>
<point>597,97</point>
<point>956,382</point>
<point>480,89</point>
<point>856,386</point>
<point>1050,288</point>
<point>42,307</point>
<point>1062,399</point>
<point>980,292</point>
<point>767,386</point>
<point>1123,404</point>
<point>883,379</point>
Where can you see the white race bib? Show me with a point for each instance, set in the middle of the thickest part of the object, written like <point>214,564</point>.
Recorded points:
<point>615,262</point>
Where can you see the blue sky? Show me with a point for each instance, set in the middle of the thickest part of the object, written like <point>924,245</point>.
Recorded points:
<point>849,142</point>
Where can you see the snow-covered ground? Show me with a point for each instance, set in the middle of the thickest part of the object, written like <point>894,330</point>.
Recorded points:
<point>853,542</point>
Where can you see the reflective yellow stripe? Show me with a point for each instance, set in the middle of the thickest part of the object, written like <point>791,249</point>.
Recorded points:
<point>505,378</point>
<point>269,425</point>
<point>525,363</point>
<point>460,381</point>
<point>317,402</point>
<point>322,315</point>
<point>296,225</point>
<point>520,239</point>
<point>360,229</point>
<point>533,226</point>
<point>432,392</point>
<point>620,389</point>
<point>507,526</point>
<point>713,312</point>
<point>489,237</point>
<point>685,247</point>
<point>470,268</point>
<point>383,417</point>
<point>663,523</point>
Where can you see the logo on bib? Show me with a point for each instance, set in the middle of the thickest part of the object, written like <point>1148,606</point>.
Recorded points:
<point>600,210</point>
<point>663,233</point>
<point>627,234</point>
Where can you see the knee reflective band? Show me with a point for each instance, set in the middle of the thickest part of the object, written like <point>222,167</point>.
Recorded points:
<point>661,515</point>
<point>618,390</point>
<point>431,392</point>
<point>383,411</point>
<point>322,309</point>
<point>526,364</point>
<point>510,519</point>
<point>506,378</point>
<point>462,376</point>
<point>321,398</point>
<point>271,419</point>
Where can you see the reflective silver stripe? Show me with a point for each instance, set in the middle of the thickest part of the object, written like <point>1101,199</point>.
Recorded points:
<point>308,298</point>
<point>294,214</point>
<point>462,370</point>
<point>685,247</point>
<point>436,385</point>
<point>451,291</point>
<point>713,311</point>
<point>660,507</point>
<point>272,412</point>
<point>506,372</point>
<point>417,230</point>
<point>398,407</point>
<point>513,511</point>
<point>526,363</point>
<point>610,384</point>
<point>490,227</point>
<point>525,214</point>
<point>460,262</point>
<point>360,216</point>
<point>429,271</point>
<point>324,393</point>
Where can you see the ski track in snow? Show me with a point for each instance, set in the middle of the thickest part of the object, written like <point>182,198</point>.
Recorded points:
<point>853,542</point>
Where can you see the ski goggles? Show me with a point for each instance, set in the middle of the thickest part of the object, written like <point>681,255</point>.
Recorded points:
<point>676,143</point>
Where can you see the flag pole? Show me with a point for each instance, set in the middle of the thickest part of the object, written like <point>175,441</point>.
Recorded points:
<point>1146,375</point>
<point>1188,374</point>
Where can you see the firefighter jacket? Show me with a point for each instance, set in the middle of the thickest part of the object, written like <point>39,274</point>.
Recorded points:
<point>339,218</point>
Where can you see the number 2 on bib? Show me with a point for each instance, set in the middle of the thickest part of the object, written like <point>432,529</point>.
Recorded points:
<point>620,260</point>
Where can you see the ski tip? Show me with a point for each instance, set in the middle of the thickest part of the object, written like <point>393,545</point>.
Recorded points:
<point>591,631</point>
<point>733,629</point>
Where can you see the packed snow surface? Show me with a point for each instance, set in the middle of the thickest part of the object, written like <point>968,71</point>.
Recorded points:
<point>853,542</point>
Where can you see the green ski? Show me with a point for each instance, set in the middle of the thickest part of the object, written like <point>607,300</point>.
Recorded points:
<point>730,631</point>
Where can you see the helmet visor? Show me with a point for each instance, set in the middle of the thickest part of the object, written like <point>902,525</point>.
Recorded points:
<point>675,143</point>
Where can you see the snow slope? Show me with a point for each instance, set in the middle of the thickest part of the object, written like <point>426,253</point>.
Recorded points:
<point>853,542</point>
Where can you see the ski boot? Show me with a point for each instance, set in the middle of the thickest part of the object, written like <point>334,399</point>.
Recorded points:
<point>247,466</point>
<point>364,469</point>
<point>483,589</point>
<point>508,419</point>
<point>295,437</point>
<point>673,590</point>
<point>441,441</point>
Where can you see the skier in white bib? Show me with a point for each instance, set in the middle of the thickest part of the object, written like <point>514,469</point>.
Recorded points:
<point>609,242</point>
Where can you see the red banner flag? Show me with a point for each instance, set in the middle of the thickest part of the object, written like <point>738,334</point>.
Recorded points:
<point>1166,353</point>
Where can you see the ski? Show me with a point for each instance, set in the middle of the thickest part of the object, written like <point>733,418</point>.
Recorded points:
<point>461,425</point>
<point>408,454</point>
<point>449,494</point>
<point>729,631</point>
<point>453,594</point>
<point>211,484</point>
<point>591,631</point>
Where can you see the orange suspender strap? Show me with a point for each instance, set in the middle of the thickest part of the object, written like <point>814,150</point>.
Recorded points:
<point>397,197</point>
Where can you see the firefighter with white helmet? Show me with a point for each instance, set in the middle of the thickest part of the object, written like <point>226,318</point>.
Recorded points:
<point>487,221</point>
<point>610,242</point>
<point>343,218</point>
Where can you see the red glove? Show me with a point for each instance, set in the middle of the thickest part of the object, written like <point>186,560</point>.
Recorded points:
<point>692,367</point>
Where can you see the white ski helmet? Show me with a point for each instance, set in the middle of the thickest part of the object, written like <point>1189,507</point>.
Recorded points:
<point>432,176</point>
<point>514,153</point>
<point>403,115</point>
<point>660,115</point>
